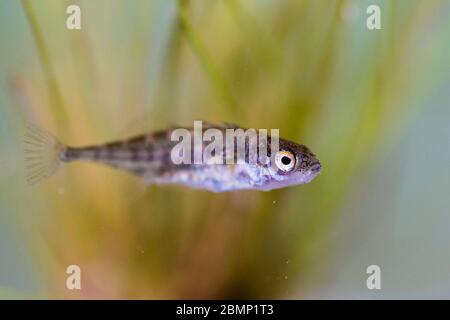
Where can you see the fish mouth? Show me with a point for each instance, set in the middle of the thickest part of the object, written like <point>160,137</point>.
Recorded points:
<point>316,167</point>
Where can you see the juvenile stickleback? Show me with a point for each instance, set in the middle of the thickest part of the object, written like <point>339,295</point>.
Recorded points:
<point>149,157</point>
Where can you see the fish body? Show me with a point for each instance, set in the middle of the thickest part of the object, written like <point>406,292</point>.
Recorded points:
<point>149,157</point>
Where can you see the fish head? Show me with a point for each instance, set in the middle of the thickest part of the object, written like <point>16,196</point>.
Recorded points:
<point>292,164</point>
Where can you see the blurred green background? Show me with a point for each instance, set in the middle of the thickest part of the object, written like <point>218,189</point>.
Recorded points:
<point>373,105</point>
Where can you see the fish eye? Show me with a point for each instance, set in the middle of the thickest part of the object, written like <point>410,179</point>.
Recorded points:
<point>285,160</point>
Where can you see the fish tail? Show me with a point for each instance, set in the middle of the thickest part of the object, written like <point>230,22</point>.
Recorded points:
<point>43,154</point>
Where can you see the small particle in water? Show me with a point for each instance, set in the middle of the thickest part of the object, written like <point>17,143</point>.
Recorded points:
<point>285,277</point>
<point>274,201</point>
<point>287,261</point>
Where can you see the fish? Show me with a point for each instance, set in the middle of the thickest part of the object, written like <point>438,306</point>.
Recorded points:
<point>150,157</point>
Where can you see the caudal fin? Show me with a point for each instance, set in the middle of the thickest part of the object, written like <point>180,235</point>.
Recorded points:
<point>42,153</point>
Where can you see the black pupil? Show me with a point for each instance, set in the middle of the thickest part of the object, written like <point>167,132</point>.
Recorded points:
<point>285,160</point>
